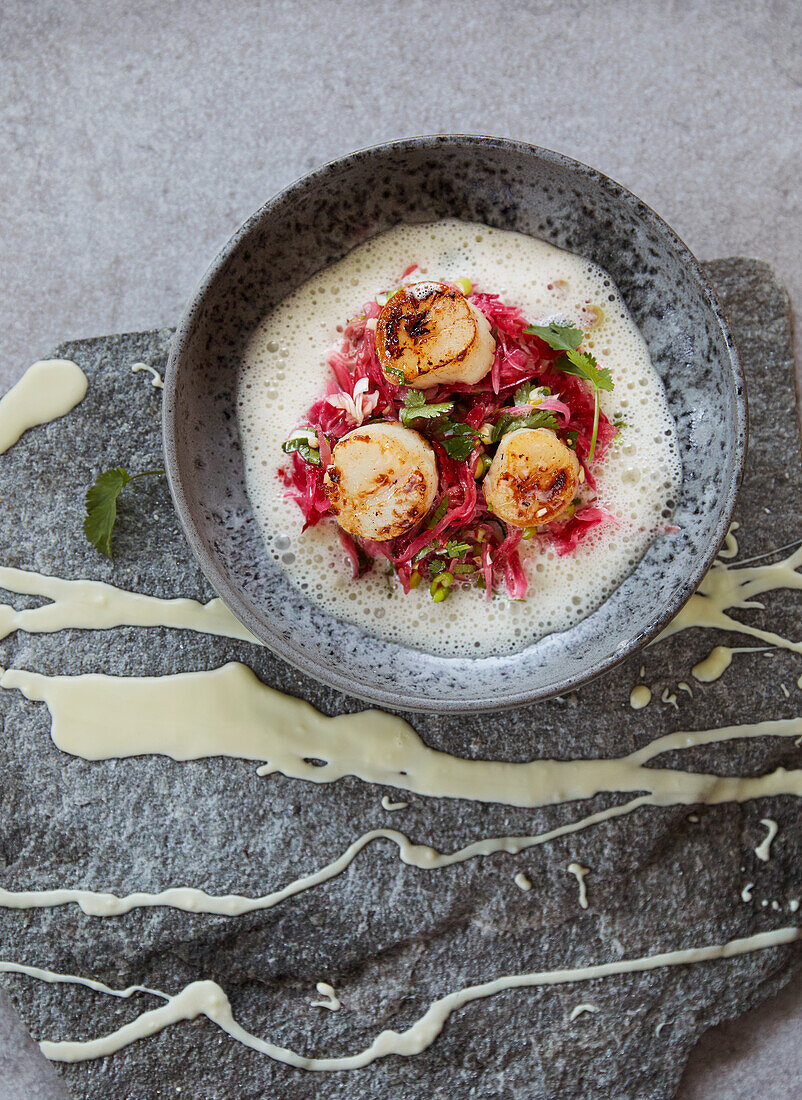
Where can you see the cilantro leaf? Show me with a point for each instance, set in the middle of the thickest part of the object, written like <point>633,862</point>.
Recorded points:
<point>415,408</point>
<point>583,365</point>
<point>303,447</point>
<point>530,393</point>
<point>101,505</point>
<point>459,441</point>
<point>510,423</point>
<point>558,337</point>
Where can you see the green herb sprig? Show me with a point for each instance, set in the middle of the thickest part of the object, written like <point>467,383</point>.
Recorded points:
<point>510,422</point>
<point>459,440</point>
<point>439,512</point>
<point>415,408</point>
<point>307,452</point>
<point>530,393</point>
<point>581,364</point>
<point>558,337</point>
<point>101,505</point>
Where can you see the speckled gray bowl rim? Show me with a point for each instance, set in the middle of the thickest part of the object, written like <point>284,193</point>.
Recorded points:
<point>340,680</point>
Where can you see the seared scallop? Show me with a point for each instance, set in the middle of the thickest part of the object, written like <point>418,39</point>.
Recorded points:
<point>532,479</point>
<point>382,481</point>
<point>430,333</point>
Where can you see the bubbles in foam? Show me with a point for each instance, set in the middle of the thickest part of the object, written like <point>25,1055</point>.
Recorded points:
<point>284,370</point>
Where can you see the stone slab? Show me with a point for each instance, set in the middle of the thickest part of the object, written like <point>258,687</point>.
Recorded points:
<point>389,938</point>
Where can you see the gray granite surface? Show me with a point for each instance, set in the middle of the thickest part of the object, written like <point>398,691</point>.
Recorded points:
<point>135,139</point>
<point>24,1073</point>
<point>390,938</point>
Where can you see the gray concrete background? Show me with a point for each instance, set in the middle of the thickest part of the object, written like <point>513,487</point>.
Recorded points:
<point>135,137</point>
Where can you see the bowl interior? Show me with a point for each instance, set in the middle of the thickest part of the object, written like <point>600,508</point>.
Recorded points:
<point>509,186</point>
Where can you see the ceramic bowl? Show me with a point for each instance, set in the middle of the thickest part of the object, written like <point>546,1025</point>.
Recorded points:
<point>505,184</point>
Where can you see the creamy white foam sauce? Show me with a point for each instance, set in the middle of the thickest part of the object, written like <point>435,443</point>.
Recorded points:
<point>284,370</point>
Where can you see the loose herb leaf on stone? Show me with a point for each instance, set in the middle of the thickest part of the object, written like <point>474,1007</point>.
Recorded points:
<point>101,505</point>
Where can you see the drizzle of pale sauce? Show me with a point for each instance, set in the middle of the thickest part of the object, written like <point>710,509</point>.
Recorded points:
<point>763,850</point>
<point>49,389</point>
<point>388,805</point>
<point>229,712</point>
<point>640,697</point>
<point>718,661</point>
<point>669,697</point>
<point>192,900</point>
<point>156,380</point>
<point>725,588</point>
<point>580,872</point>
<point>580,1010</point>
<point>206,998</point>
<point>78,604</point>
<point>522,881</point>
<point>95,605</point>
<point>730,548</point>
<point>331,1000</point>
<point>746,893</point>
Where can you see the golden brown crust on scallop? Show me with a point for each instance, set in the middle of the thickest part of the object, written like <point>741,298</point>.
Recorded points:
<point>381,482</point>
<point>532,479</point>
<point>431,333</point>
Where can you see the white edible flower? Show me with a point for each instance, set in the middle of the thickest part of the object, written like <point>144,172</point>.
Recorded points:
<point>360,406</point>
